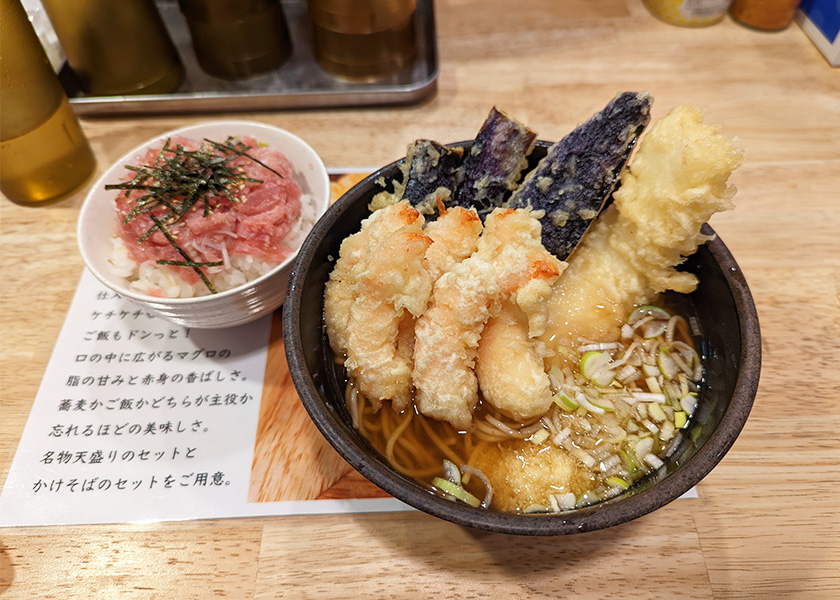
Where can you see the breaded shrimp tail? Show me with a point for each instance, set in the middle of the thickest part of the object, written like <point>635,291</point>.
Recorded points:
<point>394,286</point>
<point>509,257</point>
<point>676,181</point>
<point>341,289</point>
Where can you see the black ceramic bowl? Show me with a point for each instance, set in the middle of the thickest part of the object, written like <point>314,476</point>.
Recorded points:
<point>730,345</point>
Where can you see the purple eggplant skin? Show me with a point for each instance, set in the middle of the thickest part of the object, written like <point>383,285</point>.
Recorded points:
<point>432,174</point>
<point>578,175</point>
<point>494,163</point>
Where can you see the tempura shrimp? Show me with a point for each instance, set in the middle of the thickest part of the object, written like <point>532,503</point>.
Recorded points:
<point>677,181</point>
<point>509,256</point>
<point>510,367</point>
<point>393,286</point>
<point>455,235</point>
<point>341,288</point>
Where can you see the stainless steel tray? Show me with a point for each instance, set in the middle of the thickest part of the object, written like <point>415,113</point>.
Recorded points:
<point>299,83</point>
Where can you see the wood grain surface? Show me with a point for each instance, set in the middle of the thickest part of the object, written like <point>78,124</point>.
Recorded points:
<point>767,523</point>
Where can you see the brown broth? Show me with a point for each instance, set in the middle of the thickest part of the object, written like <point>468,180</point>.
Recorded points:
<point>522,473</point>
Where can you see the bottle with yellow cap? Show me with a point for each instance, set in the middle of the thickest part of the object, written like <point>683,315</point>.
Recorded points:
<point>688,13</point>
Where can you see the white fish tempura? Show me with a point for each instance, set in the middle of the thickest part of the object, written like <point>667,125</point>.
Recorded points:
<point>676,181</point>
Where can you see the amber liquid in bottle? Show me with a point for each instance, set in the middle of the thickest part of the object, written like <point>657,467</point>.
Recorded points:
<point>44,153</point>
<point>237,40</point>
<point>363,40</point>
<point>41,165</point>
<point>117,47</point>
<point>365,56</point>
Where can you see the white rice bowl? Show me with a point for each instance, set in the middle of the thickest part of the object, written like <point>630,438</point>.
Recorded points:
<point>249,286</point>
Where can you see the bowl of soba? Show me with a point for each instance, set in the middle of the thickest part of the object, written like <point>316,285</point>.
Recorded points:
<point>532,337</point>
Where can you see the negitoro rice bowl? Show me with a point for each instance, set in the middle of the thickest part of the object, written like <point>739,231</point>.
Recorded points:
<point>232,209</point>
<point>201,224</point>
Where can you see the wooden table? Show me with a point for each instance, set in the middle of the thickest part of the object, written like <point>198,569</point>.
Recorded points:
<point>766,524</point>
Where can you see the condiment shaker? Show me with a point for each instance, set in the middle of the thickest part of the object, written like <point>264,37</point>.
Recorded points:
<point>764,14</point>
<point>116,47</point>
<point>688,13</point>
<point>363,40</point>
<point>236,39</point>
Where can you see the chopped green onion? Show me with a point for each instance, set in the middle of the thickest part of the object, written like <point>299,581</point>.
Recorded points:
<point>566,501</point>
<point>587,499</point>
<point>590,362</point>
<point>667,431</point>
<point>640,312</point>
<point>602,403</point>
<point>456,491</point>
<point>689,404</point>
<point>629,460</point>
<point>618,482</point>
<point>650,370</point>
<point>656,413</point>
<point>451,471</point>
<point>654,461</point>
<point>539,437</point>
<point>683,384</point>
<point>555,376</point>
<point>649,397</point>
<point>595,366</point>
<point>616,434</point>
<point>564,402</point>
<point>643,447</point>
<point>582,455</point>
<point>667,366</point>
<point>680,419</point>
<point>653,329</point>
<point>584,402</point>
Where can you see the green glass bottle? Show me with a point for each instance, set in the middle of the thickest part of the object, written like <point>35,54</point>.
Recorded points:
<point>44,153</point>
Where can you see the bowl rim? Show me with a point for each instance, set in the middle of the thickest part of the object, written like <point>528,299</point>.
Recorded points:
<point>108,175</point>
<point>592,518</point>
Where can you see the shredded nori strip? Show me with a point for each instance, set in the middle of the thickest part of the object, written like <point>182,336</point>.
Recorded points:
<point>183,263</point>
<point>177,180</point>
<point>190,262</point>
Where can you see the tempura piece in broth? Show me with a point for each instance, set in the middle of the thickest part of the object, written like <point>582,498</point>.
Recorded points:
<point>578,174</point>
<point>455,237</point>
<point>432,175</point>
<point>509,256</point>
<point>494,163</point>
<point>341,289</point>
<point>393,287</point>
<point>509,366</point>
<point>675,182</point>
